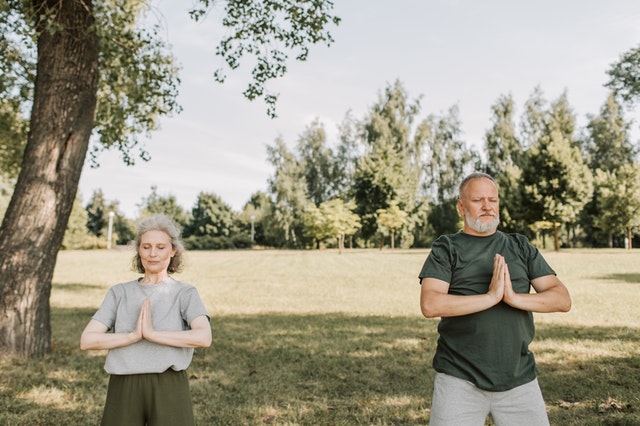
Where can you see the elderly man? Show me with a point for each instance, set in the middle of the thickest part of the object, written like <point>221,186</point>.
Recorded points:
<point>478,282</point>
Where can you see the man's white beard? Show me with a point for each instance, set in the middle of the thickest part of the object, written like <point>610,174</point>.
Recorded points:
<point>478,225</point>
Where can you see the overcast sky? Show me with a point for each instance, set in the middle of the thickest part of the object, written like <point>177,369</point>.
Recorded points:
<point>451,52</point>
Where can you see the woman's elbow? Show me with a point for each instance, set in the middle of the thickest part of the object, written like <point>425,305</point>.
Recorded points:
<point>205,339</point>
<point>207,342</point>
<point>85,345</point>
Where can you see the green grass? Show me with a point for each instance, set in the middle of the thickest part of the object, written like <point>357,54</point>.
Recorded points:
<point>321,338</point>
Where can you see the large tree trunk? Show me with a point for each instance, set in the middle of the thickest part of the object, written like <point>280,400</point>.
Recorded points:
<point>34,224</point>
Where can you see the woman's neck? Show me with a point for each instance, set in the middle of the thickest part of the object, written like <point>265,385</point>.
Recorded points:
<point>150,279</point>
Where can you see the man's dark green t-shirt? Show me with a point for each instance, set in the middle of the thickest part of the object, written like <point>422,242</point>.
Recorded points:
<point>488,348</point>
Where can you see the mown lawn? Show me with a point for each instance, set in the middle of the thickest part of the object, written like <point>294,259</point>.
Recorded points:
<point>322,338</point>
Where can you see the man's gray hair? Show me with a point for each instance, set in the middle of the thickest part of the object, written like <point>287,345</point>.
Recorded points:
<point>472,176</point>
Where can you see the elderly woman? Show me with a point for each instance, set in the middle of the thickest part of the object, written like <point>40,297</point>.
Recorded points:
<point>156,323</point>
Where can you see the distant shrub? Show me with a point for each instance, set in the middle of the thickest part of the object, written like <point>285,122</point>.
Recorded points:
<point>242,241</point>
<point>83,242</point>
<point>207,242</point>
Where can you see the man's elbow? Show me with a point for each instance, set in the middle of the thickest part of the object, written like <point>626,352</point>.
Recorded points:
<point>565,301</point>
<point>566,306</point>
<point>428,311</point>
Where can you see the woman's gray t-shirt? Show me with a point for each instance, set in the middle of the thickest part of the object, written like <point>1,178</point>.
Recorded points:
<point>173,306</point>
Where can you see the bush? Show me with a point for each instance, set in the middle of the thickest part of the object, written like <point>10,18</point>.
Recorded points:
<point>207,242</point>
<point>242,241</point>
<point>84,242</point>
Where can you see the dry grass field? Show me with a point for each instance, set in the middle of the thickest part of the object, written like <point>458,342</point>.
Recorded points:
<point>322,338</point>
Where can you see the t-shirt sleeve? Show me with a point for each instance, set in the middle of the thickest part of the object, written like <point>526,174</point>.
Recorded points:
<point>438,263</point>
<point>191,305</point>
<point>536,263</point>
<point>106,313</point>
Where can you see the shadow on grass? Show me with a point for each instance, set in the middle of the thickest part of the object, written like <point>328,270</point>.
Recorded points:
<point>627,278</point>
<point>594,375</point>
<point>321,369</point>
<point>66,387</point>
<point>315,370</point>
<point>77,286</point>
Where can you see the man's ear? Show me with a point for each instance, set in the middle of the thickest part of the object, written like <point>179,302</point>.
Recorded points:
<point>460,208</point>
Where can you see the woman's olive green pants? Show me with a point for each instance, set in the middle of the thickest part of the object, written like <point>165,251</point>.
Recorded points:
<point>161,399</point>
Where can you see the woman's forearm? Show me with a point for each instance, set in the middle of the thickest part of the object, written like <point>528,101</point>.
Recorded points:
<point>99,340</point>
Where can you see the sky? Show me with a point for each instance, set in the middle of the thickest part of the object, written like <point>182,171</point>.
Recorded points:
<point>449,52</point>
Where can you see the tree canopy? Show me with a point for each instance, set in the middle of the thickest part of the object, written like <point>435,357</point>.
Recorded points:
<point>76,69</point>
<point>625,76</point>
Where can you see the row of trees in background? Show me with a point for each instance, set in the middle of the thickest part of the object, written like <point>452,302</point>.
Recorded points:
<point>391,179</point>
<point>70,70</point>
<point>400,173</point>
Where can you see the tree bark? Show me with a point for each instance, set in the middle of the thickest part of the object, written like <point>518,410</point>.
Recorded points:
<point>62,119</point>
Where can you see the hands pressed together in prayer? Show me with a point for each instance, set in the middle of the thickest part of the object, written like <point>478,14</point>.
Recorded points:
<point>144,325</point>
<point>550,295</point>
<point>500,287</point>
<point>199,334</point>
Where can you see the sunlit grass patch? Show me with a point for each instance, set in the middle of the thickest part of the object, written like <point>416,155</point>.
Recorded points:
<point>43,395</point>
